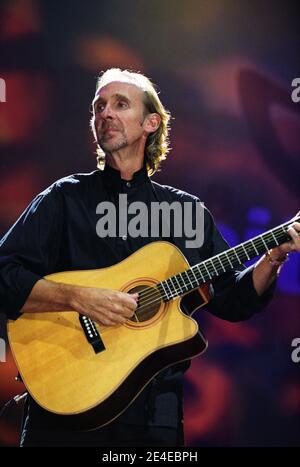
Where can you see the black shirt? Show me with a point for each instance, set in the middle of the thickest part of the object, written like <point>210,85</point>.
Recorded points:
<point>57,232</point>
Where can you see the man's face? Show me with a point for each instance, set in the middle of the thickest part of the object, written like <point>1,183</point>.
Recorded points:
<point>118,116</point>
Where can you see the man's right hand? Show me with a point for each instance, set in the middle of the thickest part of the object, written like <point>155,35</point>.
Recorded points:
<point>104,306</point>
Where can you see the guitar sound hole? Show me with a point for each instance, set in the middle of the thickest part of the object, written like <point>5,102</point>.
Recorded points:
<point>148,304</point>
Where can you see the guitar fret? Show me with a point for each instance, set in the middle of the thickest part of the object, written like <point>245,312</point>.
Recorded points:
<point>194,275</point>
<point>214,268</point>
<point>284,232</point>
<point>265,245</point>
<point>166,294</point>
<point>276,242</point>
<point>221,264</point>
<point>186,272</point>
<point>254,247</point>
<point>240,254</point>
<point>166,282</point>
<point>184,284</point>
<point>178,283</point>
<point>207,270</point>
<point>247,256</point>
<point>227,257</point>
<point>199,270</point>
<point>175,291</point>
<point>234,249</point>
<point>171,282</point>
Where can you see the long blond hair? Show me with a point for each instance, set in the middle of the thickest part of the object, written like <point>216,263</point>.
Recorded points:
<point>157,143</point>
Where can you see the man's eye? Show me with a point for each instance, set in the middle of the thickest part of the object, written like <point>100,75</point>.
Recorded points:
<point>99,108</point>
<point>122,104</point>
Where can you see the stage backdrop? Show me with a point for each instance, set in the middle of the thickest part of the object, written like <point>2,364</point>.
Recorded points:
<point>225,71</point>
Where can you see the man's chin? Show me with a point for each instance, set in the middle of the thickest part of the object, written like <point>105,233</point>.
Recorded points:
<point>111,147</point>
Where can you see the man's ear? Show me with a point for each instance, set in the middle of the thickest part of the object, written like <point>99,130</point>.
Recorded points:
<point>151,122</point>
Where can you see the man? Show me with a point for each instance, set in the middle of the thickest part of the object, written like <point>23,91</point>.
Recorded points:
<point>57,232</point>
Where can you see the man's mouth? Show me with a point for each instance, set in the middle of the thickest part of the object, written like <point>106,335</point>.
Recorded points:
<point>108,130</point>
<point>106,127</point>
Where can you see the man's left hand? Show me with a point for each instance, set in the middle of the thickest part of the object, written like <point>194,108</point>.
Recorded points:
<point>291,245</point>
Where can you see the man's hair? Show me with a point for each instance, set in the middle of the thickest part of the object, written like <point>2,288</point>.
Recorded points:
<point>157,143</point>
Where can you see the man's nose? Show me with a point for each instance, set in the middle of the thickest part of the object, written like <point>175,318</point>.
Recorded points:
<point>107,112</point>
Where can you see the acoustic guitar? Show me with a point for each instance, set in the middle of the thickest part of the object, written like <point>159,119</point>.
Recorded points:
<point>91,373</point>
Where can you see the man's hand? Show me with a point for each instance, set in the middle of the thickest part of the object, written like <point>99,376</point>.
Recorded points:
<point>105,306</point>
<point>290,246</point>
<point>265,271</point>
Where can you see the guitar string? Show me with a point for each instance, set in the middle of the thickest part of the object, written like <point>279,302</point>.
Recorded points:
<point>148,292</point>
<point>214,266</point>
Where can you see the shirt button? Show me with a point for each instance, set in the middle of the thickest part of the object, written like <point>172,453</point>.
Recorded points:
<point>124,237</point>
<point>128,184</point>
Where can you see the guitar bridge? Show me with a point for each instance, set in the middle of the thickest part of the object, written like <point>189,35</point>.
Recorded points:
<point>91,334</point>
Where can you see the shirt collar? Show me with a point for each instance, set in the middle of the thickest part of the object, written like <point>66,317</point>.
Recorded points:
<point>112,178</point>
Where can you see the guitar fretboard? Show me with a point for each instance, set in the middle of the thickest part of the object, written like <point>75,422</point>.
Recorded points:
<point>209,269</point>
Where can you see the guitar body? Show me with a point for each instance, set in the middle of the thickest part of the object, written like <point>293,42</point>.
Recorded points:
<point>65,375</point>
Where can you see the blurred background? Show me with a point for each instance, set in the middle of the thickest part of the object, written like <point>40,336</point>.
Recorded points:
<point>224,69</point>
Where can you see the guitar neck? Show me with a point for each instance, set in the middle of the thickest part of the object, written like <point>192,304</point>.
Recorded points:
<point>228,260</point>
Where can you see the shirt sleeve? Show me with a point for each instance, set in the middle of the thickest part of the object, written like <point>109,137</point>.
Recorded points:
<point>234,294</point>
<point>28,251</point>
